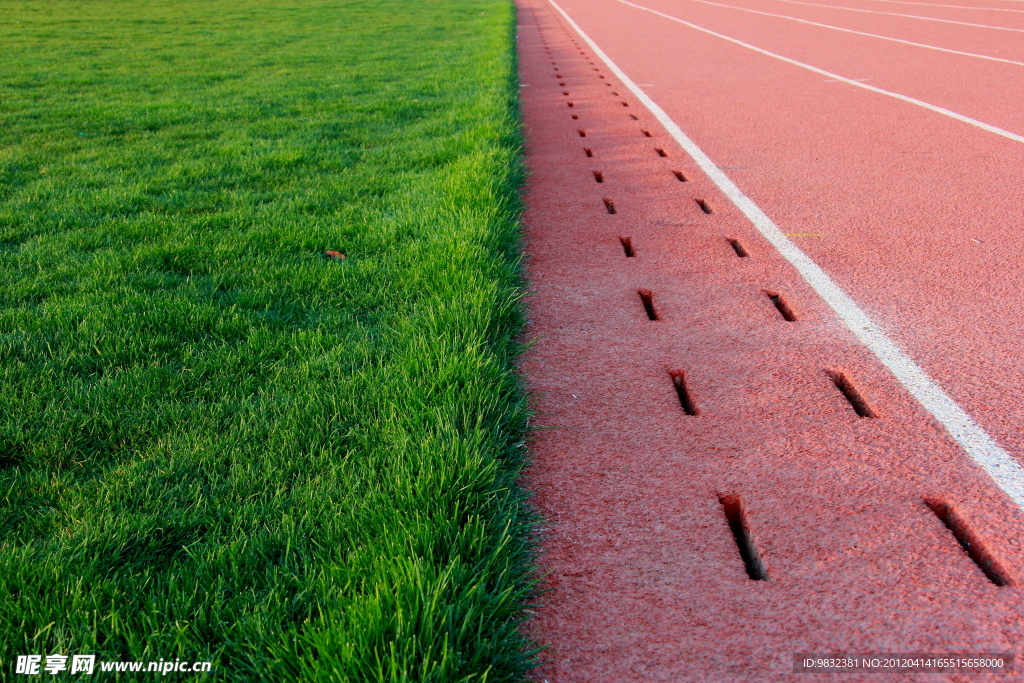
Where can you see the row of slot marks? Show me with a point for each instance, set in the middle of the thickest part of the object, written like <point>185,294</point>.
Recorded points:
<point>703,204</point>
<point>732,506</point>
<point>969,541</point>
<point>630,250</point>
<point>609,205</point>
<point>599,175</point>
<point>647,298</point>
<point>839,379</point>
<point>678,175</point>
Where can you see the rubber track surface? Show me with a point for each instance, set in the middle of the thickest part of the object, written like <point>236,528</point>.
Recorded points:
<point>730,477</point>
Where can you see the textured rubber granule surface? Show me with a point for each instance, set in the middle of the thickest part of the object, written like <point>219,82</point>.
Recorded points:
<point>697,397</point>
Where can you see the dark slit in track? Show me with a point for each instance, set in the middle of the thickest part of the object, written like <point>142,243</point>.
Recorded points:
<point>647,298</point>
<point>846,386</point>
<point>683,392</point>
<point>737,518</point>
<point>782,306</point>
<point>969,541</point>
<point>738,248</point>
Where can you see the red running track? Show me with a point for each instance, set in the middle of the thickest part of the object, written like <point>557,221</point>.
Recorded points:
<point>731,476</point>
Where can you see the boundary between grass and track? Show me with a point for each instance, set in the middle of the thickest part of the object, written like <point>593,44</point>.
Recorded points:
<point>974,440</point>
<point>940,110</point>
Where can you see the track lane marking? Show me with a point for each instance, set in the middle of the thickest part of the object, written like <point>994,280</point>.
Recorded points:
<point>939,110</point>
<point>929,4</point>
<point>861,33</point>
<point>908,16</point>
<point>1007,474</point>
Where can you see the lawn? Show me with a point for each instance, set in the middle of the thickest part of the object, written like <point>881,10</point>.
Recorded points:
<point>215,442</point>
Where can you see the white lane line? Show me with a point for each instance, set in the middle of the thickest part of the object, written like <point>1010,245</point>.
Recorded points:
<point>908,16</point>
<point>931,107</point>
<point>975,441</point>
<point>861,33</point>
<point>929,4</point>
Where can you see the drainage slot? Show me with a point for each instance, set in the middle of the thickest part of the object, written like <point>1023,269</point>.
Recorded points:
<point>569,103</point>
<point>737,518</point>
<point>589,152</point>
<point>685,400</point>
<point>625,104</point>
<point>565,92</point>
<point>738,248</point>
<point>679,176</point>
<point>783,306</point>
<point>969,541</point>
<point>627,246</point>
<point>648,300</point>
<point>646,133</point>
<point>562,83</point>
<point>598,176</point>
<point>843,383</point>
<point>633,116</point>
<point>704,206</point>
<point>582,133</point>
<point>661,152</point>
<point>575,116</point>
<point>615,93</point>
<point>609,204</point>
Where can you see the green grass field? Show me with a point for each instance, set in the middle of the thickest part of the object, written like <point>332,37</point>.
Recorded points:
<point>216,443</point>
